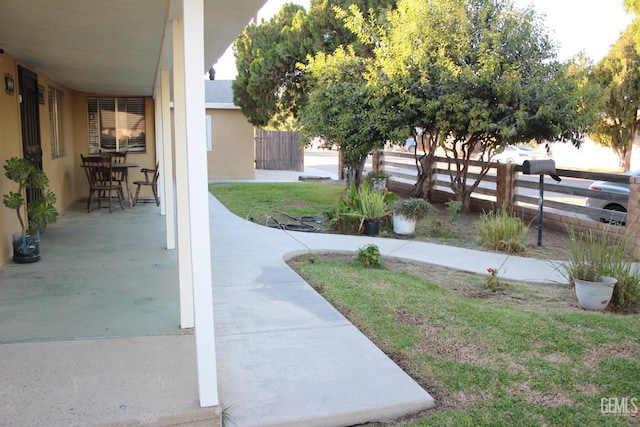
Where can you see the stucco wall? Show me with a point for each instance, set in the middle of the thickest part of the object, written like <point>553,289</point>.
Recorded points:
<point>233,154</point>
<point>10,145</point>
<point>66,178</point>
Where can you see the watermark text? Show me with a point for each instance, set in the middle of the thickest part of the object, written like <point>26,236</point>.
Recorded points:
<point>619,405</point>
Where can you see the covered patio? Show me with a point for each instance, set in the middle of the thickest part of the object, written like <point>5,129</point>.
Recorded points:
<point>90,334</point>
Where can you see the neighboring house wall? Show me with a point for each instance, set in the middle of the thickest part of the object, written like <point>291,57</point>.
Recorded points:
<point>232,152</point>
<point>66,178</point>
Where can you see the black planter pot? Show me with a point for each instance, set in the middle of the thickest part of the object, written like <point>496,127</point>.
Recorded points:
<point>26,249</point>
<point>372,227</point>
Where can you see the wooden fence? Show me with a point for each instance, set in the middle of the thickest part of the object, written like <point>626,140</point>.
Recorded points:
<point>505,185</point>
<point>279,150</point>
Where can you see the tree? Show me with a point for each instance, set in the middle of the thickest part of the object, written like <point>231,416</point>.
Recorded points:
<point>340,108</point>
<point>619,74</point>
<point>270,87</point>
<point>478,75</point>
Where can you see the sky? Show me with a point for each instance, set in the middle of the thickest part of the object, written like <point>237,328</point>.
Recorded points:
<point>575,25</point>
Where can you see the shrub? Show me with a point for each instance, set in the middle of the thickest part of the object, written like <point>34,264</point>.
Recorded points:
<point>454,207</point>
<point>369,256</point>
<point>493,283</point>
<point>502,230</point>
<point>413,208</point>
<point>357,205</point>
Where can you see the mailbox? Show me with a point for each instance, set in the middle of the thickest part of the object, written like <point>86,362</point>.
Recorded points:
<point>542,168</point>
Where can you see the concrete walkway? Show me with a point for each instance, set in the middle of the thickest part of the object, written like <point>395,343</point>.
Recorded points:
<point>89,335</point>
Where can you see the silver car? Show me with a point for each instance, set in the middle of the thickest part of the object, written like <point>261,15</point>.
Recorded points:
<point>615,199</point>
<point>518,154</point>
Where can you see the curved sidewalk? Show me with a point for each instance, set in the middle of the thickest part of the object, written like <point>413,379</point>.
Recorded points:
<point>285,355</point>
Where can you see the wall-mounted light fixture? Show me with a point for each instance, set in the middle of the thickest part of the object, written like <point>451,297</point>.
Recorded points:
<point>9,85</point>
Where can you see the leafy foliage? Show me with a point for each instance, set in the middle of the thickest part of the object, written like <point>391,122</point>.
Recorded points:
<point>619,75</point>
<point>36,214</point>
<point>471,77</point>
<point>413,208</point>
<point>342,108</point>
<point>270,87</point>
<point>369,256</point>
<point>358,205</point>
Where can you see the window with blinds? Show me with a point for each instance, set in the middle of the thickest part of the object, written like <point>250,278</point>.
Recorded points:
<point>116,124</point>
<point>56,106</point>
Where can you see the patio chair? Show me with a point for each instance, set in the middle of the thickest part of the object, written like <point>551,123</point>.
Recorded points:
<point>119,158</point>
<point>102,185</point>
<point>150,180</point>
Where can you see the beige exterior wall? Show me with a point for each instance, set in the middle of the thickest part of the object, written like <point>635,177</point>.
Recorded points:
<point>67,179</point>
<point>233,154</point>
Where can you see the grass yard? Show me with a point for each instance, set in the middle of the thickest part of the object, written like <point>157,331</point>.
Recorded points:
<point>525,356</point>
<point>258,201</point>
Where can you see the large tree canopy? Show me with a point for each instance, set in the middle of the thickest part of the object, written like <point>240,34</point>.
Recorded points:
<point>270,87</point>
<point>619,74</point>
<point>477,75</point>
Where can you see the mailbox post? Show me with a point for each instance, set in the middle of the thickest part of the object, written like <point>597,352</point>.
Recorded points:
<point>542,168</point>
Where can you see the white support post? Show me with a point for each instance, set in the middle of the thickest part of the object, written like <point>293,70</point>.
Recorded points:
<point>157,99</point>
<point>199,200</point>
<point>166,163</point>
<point>182,179</point>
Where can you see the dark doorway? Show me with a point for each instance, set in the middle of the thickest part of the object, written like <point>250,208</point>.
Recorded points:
<point>30,117</point>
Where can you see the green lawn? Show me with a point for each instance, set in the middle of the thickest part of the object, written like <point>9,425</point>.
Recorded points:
<point>258,201</point>
<point>486,361</point>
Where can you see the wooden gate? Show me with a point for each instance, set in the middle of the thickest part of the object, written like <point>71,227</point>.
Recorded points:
<point>279,150</point>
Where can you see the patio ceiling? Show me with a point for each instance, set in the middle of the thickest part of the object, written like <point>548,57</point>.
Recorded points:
<point>110,47</point>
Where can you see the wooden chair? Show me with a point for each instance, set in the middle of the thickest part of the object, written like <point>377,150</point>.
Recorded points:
<point>102,184</point>
<point>121,174</point>
<point>149,181</point>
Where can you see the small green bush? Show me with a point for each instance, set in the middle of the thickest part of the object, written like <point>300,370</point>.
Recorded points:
<point>493,282</point>
<point>369,256</point>
<point>454,207</point>
<point>503,231</point>
<point>357,205</point>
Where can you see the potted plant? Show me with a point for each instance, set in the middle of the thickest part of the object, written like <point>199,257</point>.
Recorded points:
<point>588,258</point>
<point>378,180</point>
<point>373,206</point>
<point>406,213</point>
<point>33,216</point>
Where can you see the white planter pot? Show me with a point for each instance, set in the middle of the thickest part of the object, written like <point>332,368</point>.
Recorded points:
<point>403,225</point>
<point>595,295</point>
<point>379,184</point>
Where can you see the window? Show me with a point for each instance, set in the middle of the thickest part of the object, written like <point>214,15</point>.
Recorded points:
<point>116,124</point>
<point>56,104</point>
